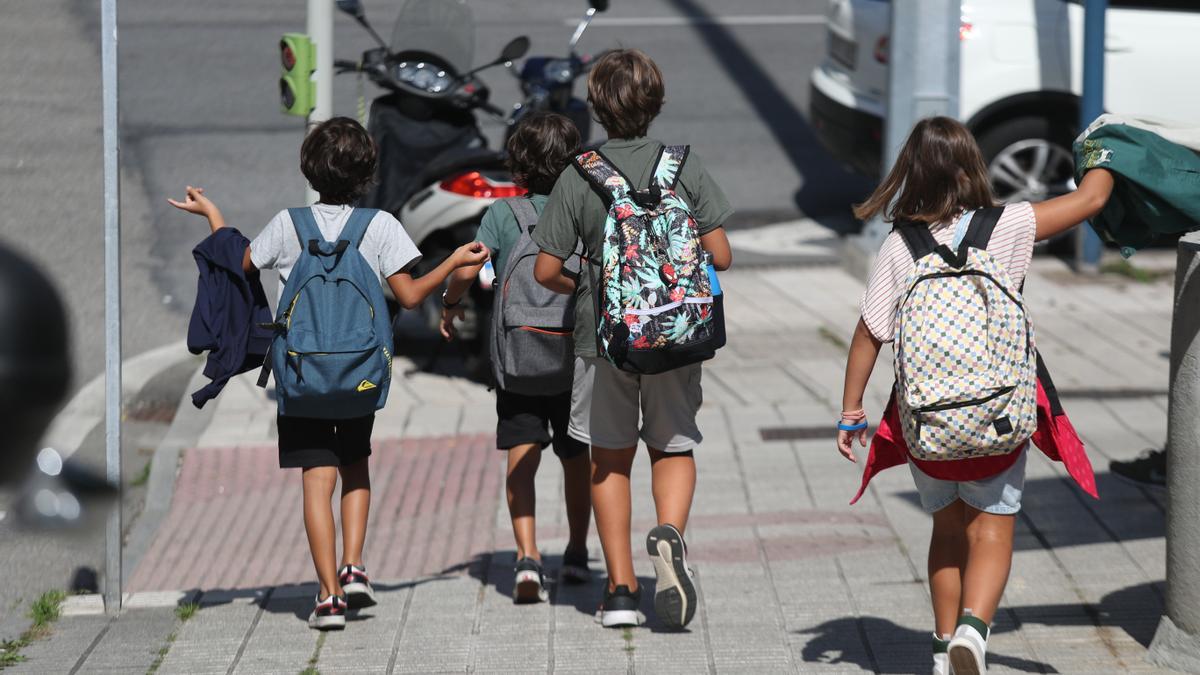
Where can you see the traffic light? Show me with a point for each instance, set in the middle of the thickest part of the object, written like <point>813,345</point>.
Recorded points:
<point>297,91</point>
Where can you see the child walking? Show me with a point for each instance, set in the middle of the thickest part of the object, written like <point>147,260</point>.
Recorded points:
<point>338,159</point>
<point>626,91</point>
<point>948,230</point>
<point>540,147</point>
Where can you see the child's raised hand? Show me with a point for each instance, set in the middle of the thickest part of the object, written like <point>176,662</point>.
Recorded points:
<point>470,254</point>
<point>195,202</point>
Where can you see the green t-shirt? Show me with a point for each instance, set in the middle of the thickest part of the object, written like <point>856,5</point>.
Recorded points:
<point>499,231</point>
<point>575,212</point>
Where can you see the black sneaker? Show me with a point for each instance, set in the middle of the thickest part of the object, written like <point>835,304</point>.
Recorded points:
<point>575,567</point>
<point>619,608</point>
<point>329,614</point>
<point>356,586</point>
<point>1150,468</point>
<point>530,584</point>
<point>674,592</point>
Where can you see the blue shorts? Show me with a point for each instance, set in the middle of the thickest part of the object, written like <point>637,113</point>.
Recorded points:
<point>999,494</point>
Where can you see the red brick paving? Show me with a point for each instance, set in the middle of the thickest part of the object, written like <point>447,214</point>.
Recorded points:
<point>236,519</point>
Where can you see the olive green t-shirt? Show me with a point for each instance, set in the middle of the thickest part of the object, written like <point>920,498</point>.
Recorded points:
<point>499,230</point>
<point>575,212</point>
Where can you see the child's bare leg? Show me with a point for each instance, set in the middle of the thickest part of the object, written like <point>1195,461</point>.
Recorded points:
<point>356,505</point>
<point>318,524</point>
<point>523,461</point>
<point>947,561</point>
<point>577,493</point>
<point>611,501</point>
<point>989,559</point>
<point>673,476</point>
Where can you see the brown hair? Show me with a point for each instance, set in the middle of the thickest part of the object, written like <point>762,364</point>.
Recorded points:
<point>939,173</point>
<point>626,91</point>
<point>339,160</point>
<point>540,147</point>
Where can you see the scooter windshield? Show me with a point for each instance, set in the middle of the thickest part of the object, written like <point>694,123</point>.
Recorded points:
<point>445,28</point>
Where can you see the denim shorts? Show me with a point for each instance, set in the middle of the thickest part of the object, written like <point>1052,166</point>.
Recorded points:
<point>999,494</point>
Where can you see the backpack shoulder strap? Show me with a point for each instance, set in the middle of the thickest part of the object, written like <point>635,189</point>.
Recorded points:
<point>602,175</point>
<point>918,238</point>
<point>306,226</point>
<point>356,226</point>
<point>983,223</point>
<point>526,215</point>
<point>669,165</point>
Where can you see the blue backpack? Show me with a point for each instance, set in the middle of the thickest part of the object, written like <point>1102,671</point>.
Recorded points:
<point>332,350</point>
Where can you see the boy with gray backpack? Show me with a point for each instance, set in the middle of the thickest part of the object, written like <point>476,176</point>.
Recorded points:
<point>533,353</point>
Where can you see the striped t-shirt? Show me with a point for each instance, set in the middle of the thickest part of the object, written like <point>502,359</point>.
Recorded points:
<point>1011,245</point>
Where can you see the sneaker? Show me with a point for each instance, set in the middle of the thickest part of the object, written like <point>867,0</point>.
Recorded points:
<point>619,608</point>
<point>356,586</point>
<point>575,567</point>
<point>674,592</point>
<point>329,614</point>
<point>968,648</point>
<point>1150,468</point>
<point>941,657</point>
<point>530,584</point>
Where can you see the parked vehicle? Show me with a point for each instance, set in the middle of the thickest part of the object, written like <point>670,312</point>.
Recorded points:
<point>437,173</point>
<point>1020,83</point>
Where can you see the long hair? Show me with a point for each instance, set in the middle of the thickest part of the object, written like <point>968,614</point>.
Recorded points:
<point>940,173</point>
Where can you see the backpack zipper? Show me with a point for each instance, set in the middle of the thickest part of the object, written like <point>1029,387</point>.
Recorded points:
<point>951,406</point>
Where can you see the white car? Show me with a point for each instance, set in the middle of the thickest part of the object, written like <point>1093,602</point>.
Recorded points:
<point>1020,80</point>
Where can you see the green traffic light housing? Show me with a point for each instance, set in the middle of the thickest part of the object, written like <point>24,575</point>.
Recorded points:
<point>297,91</point>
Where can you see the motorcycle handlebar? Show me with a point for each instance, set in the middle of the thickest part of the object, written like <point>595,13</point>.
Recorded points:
<point>345,65</point>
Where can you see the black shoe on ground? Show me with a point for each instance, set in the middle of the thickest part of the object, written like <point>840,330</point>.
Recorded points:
<point>329,614</point>
<point>674,592</point>
<point>1150,468</point>
<point>356,586</point>
<point>530,584</point>
<point>575,567</point>
<point>619,608</point>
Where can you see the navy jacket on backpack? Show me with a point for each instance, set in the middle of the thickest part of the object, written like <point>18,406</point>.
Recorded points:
<point>231,318</point>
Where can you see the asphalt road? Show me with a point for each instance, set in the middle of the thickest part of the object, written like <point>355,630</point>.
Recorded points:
<point>199,105</point>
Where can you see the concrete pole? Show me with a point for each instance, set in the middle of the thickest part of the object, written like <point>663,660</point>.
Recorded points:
<point>320,30</point>
<point>1088,246</point>
<point>923,77</point>
<point>112,300</point>
<point>1177,642</point>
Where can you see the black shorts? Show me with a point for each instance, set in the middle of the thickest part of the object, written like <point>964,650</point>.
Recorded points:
<point>523,419</point>
<point>305,442</point>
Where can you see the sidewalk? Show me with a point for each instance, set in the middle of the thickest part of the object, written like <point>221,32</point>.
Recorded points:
<point>792,579</point>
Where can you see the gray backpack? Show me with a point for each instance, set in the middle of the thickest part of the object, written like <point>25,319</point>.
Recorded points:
<point>533,328</point>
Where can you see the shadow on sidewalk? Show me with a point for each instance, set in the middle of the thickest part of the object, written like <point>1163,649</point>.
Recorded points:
<point>1135,610</point>
<point>295,599</point>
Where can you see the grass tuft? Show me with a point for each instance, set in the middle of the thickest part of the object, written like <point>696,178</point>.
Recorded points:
<point>43,612</point>
<point>1124,268</point>
<point>186,611</point>
<point>143,476</point>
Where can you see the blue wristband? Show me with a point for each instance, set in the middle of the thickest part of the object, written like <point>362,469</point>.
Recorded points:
<point>852,427</point>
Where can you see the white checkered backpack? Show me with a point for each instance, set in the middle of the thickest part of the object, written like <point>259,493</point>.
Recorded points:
<point>966,366</point>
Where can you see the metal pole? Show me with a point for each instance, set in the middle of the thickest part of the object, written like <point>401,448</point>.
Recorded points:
<point>1088,246</point>
<point>112,301</point>
<point>923,79</point>
<point>320,29</point>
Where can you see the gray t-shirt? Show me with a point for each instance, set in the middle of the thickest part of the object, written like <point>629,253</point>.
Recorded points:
<point>386,246</point>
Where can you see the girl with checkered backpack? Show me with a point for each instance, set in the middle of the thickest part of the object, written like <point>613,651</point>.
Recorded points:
<point>970,392</point>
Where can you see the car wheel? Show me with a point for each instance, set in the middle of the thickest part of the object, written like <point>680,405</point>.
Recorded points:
<point>1029,158</point>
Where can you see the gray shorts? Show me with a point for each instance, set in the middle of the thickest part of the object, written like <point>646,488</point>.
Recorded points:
<point>999,494</point>
<point>606,402</point>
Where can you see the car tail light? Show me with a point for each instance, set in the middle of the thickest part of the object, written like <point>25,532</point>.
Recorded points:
<point>881,50</point>
<point>475,184</point>
<point>965,30</point>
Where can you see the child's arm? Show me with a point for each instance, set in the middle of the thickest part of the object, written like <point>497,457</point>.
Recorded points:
<point>717,244</point>
<point>550,272</point>
<point>460,281</point>
<point>411,292</point>
<point>195,202</point>
<point>864,350</point>
<point>1055,216</point>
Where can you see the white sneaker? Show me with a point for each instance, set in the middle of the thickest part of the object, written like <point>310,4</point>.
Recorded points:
<point>968,647</point>
<point>941,659</point>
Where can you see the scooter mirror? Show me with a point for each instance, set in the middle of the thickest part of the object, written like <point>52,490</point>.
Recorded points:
<point>352,7</point>
<point>514,50</point>
<point>599,5</point>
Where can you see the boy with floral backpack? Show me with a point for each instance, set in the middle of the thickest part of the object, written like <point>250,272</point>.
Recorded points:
<point>641,343</point>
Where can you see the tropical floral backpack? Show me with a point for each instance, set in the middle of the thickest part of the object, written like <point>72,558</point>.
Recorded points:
<point>655,309</point>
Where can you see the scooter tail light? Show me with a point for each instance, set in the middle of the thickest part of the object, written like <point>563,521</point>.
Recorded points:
<point>476,185</point>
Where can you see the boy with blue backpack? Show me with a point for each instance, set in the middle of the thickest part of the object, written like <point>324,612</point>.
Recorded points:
<point>332,351</point>
<point>533,353</point>
<point>647,313</point>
